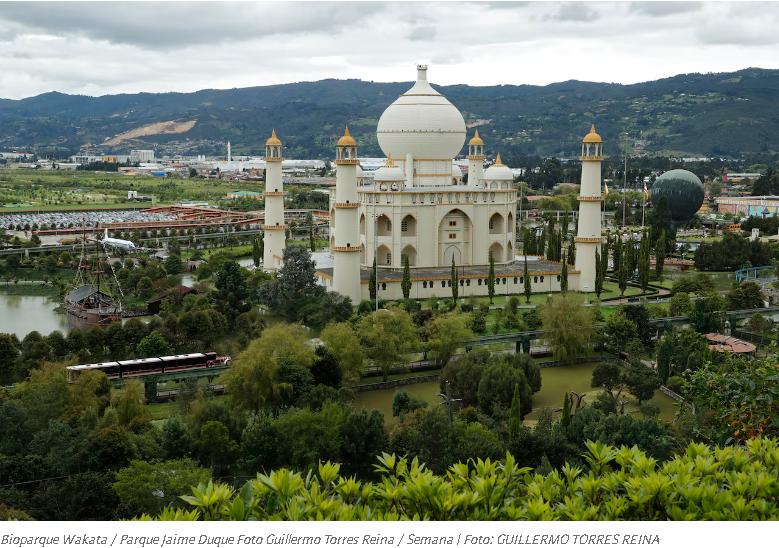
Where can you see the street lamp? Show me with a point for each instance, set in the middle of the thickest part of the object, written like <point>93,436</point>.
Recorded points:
<point>586,287</point>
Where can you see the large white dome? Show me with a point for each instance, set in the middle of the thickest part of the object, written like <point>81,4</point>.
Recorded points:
<point>421,122</point>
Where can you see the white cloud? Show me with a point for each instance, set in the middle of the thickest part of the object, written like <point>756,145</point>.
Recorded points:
<point>96,48</point>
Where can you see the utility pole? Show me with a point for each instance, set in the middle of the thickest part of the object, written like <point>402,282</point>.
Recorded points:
<point>376,255</point>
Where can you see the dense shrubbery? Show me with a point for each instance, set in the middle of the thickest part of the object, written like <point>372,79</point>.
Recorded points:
<point>733,252</point>
<point>702,483</point>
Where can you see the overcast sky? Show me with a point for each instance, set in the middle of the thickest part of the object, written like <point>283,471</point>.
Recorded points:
<point>98,48</point>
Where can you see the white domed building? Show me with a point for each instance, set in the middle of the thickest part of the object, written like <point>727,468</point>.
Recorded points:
<point>417,207</point>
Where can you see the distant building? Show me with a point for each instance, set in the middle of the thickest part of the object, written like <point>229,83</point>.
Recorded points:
<point>751,206</point>
<point>244,194</point>
<point>142,155</point>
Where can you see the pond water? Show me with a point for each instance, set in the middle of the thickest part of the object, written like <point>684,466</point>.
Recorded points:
<point>555,382</point>
<point>20,315</point>
<point>722,280</point>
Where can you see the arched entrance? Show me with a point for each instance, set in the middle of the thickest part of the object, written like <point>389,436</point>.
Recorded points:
<point>384,256</point>
<point>453,251</point>
<point>497,252</point>
<point>362,224</point>
<point>412,255</point>
<point>496,224</point>
<point>408,226</point>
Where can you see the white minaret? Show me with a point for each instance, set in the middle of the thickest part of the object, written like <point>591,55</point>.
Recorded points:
<point>588,231</point>
<point>475,161</point>
<point>346,270</point>
<point>274,227</point>
<point>229,154</point>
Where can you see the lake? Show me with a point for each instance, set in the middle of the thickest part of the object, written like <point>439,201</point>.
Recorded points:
<point>555,382</point>
<point>21,315</point>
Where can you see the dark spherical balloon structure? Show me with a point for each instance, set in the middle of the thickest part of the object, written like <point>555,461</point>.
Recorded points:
<point>684,192</point>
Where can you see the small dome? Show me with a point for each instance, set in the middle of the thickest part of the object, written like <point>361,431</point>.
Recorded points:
<point>476,139</point>
<point>457,173</point>
<point>273,139</point>
<point>347,140</point>
<point>498,172</point>
<point>592,137</point>
<point>389,173</point>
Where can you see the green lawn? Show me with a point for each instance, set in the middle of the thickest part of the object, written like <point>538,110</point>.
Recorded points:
<point>161,410</point>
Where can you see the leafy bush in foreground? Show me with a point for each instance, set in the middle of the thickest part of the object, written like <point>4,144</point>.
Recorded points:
<point>704,483</point>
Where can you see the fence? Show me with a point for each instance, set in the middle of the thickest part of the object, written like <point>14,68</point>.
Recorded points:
<point>594,359</point>
<point>668,392</point>
<point>399,382</point>
<point>753,338</point>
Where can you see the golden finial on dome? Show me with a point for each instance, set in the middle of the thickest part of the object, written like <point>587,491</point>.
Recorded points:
<point>476,139</point>
<point>273,139</point>
<point>497,160</point>
<point>347,140</point>
<point>389,161</point>
<point>592,137</point>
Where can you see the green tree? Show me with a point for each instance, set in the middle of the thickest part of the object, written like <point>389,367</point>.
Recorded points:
<point>642,382</point>
<point>623,274</point>
<point>660,252</point>
<point>343,343</point>
<point>606,375</point>
<point>661,220</point>
<point>176,441</point>
<point>446,333</point>
<point>599,273</point>
<point>132,404</point>
<point>491,278</point>
<point>528,287</point>
<point>565,417</point>
<point>144,289</point>
<point>405,285</point>
<point>402,403</point>
<point>455,280</point>
<point>680,304</point>
<point>9,355</point>
<point>515,416</point>
<point>151,486</point>
<point>564,276</point>
<point>174,265</point>
<point>464,375</point>
<point>372,281</point>
<point>745,295</point>
<point>708,314</point>
<point>496,387</point>
<point>256,255</point>
<point>569,325</point>
<point>385,336</point>
<point>154,344</point>
<point>214,445</point>
<point>619,331</point>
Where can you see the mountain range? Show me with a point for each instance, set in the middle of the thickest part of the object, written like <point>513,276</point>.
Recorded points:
<point>722,114</point>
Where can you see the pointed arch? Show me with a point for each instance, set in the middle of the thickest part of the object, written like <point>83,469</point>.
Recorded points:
<point>332,218</point>
<point>385,225</point>
<point>362,224</point>
<point>408,226</point>
<point>511,226</point>
<point>453,251</point>
<point>384,256</point>
<point>411,251</point>
<point>496,224</point>
<point>497,252</point>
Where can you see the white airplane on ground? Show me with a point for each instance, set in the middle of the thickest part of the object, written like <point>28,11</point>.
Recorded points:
<point>127,245</point>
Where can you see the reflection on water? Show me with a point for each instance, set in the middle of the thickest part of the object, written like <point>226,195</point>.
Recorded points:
<point>555,382</point>
<point>722,280</point>
<point>21,315</point>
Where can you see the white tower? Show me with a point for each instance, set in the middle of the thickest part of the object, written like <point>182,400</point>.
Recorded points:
<point>475,161</point>
<point>274,227</point>
<point>346,270</point>
<point>229,154</point>
<point>588,231</point>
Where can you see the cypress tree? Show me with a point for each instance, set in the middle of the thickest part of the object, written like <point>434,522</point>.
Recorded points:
<point>455,280</point>
<point>559,248</point>
<point>623,277</point>
<point>550,247</point>
<point>572,253</point>
<point>617,254</point>
<point>528,288</point>
<point>311,240</point>
<point>262,244</point>
<point>598,273</point>
<point>564,225</point>
<point>660,255</point>
<point>491,278</point>
<point>643,263</point>
<point>515,418</point>
<point>564,276</point>
<point>372,281</point>
<point>525,241</point>
<point>604,267</point>
<point>256,255</point>
<point>541,244</point>
<point>565,418</point>
<point>405,285</point>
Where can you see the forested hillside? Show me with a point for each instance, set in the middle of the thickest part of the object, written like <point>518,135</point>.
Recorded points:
<point>726,114</point>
